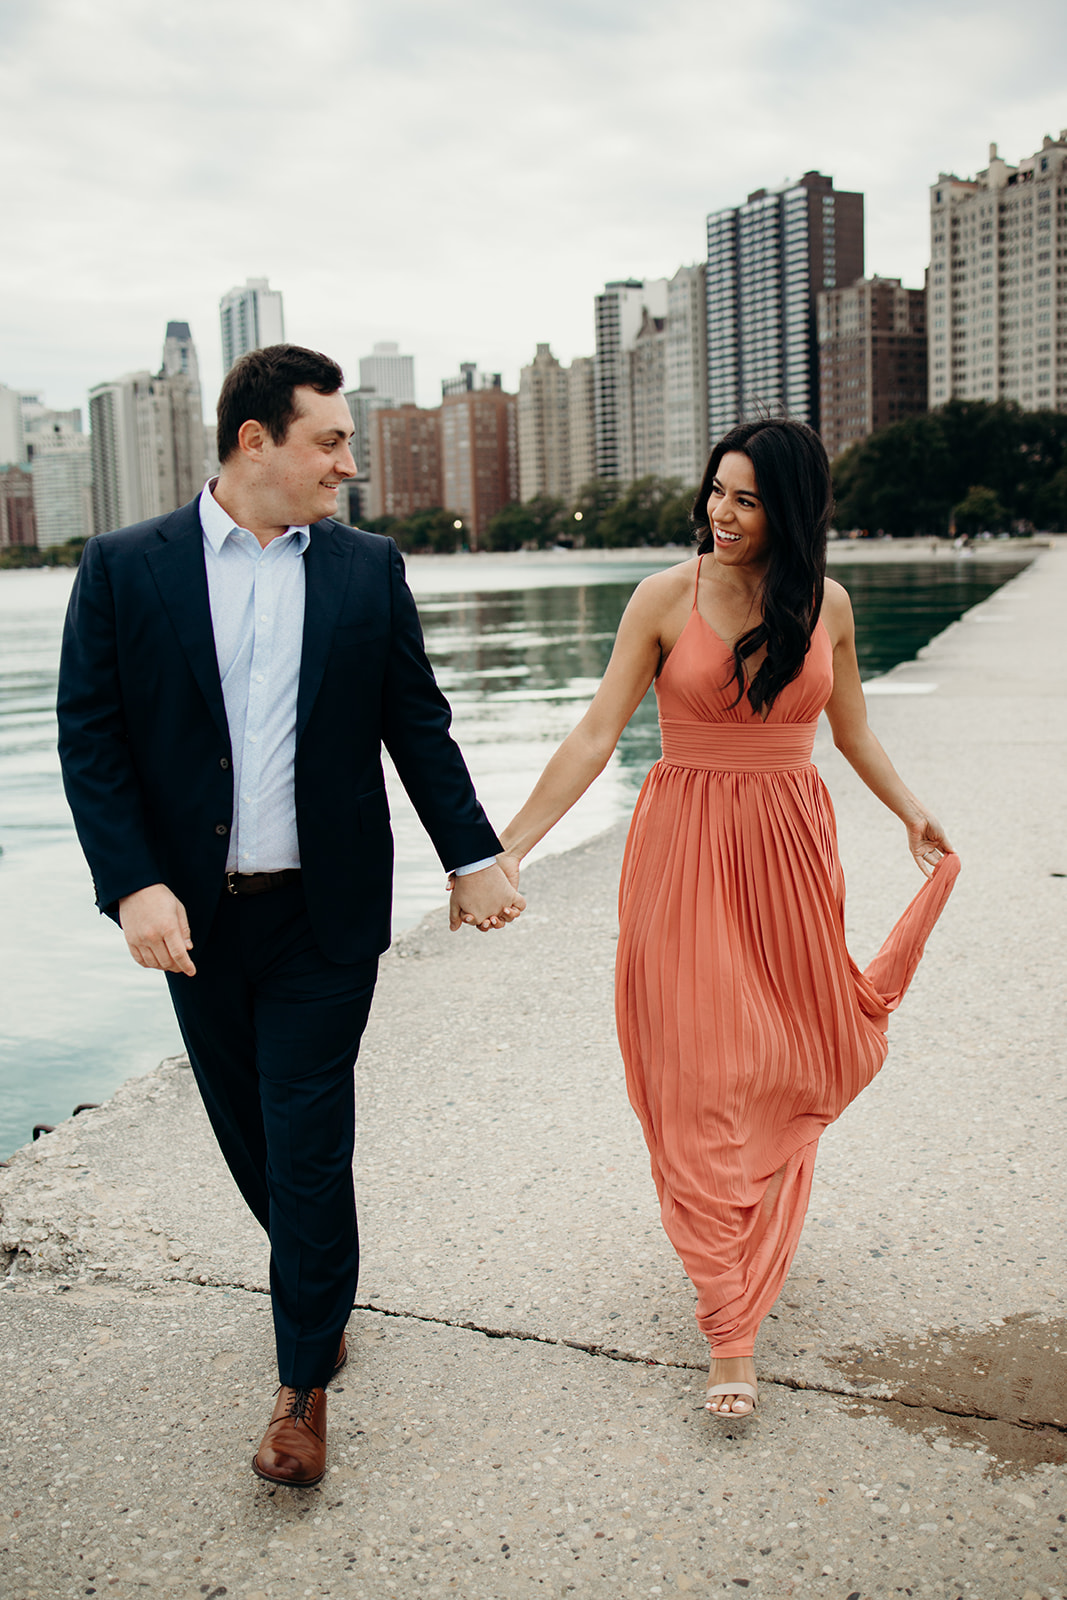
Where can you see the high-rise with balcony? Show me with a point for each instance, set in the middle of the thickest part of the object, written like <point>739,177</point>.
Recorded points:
<point>581,422</point>
<point>544,428</point>
<point>767,261</point>
<point>405,461</point>
<point>651,378</point>
<point>249,319</point>
<point>627,309</point>
<point>998,282</point>
<point>62,486</point>
<point>479,448</point>
<point>686,376</point>
<point>147,441</point>
<point>872,359</point>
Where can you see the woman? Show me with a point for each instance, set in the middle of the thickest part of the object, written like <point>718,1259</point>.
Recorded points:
<point>744,1024</point>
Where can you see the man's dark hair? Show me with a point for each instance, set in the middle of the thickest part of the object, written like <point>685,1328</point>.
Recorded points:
<point>259,388</point>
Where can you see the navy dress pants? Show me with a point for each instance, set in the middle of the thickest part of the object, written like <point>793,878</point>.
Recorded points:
<point>273,1029</point>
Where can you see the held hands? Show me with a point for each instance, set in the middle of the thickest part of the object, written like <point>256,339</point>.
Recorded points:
<point>157,930</point>
<point>927,842</point>
<point>486,899</point>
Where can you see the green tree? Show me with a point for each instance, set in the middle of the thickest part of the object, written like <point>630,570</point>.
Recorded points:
<point>534,523</point>
<point>907,478</point>
<point>898,479</point>
<point>67,554</point>
<point>431,531</point>
<point>593,500</point>
<point>979,512</point>
<point>634,518</point>
<point>1050,508</point>
<point>674,524</point>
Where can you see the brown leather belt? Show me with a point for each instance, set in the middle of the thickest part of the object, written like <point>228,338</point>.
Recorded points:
<point>260,882</point>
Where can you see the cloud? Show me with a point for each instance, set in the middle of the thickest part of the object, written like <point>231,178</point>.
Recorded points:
<point>462,177</point>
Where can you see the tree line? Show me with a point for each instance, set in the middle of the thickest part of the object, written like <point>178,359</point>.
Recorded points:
<point>652,511</point>
<point>972,466</point>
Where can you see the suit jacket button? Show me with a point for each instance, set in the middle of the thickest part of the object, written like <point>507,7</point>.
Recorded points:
<point>225,764</point>
<point>221,828</point>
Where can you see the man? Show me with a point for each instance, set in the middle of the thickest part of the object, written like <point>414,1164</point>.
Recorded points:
<point>229,675</point>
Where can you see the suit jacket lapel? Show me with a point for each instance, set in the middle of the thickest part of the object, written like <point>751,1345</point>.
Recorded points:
<point>326,570</point>
<point>177,566</point>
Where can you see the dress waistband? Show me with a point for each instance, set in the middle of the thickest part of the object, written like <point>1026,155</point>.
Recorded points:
<point>736,747</point>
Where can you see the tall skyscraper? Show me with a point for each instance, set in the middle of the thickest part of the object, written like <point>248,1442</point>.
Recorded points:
<point>147,443</point>
<point>405,461</point>
<point>581,422</point>
<point>62,487</point>
<point>389,373</point>
<point>767,261</point>
<point>479,450</point>
<point>998,282</point>
<point>687,375</point>
<point>620,316</point>
<point>117,494</point>
<point>643,402</point>
<point>250,318</point>
<point>544,428</point>
<point>651,378</point>
<point>872,359</point>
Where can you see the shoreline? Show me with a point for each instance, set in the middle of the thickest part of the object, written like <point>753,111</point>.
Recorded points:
<point>918,548</point>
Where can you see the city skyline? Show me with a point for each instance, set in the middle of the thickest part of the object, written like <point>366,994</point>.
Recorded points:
<point>618,133</point>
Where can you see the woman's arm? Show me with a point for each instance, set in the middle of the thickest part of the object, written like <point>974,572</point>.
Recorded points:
<point>583,755</point>
<point>847,713</point>
<point>585,752</point>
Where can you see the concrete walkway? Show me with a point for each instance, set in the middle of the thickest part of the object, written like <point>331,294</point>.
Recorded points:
<point>522,1413</point>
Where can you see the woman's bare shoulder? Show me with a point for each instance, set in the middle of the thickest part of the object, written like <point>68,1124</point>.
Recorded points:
<point>836,613</point>
<point>668,586</point>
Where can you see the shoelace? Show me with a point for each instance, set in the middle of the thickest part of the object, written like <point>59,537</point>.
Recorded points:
<point>300,1405</point>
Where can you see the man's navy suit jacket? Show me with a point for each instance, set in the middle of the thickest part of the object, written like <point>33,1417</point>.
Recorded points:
<point>145,747</point>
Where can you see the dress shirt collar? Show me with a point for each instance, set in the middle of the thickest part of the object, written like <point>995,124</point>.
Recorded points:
<point>218,524</point>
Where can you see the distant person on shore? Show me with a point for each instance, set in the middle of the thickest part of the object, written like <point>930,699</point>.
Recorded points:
<point>229,675</point>
<point>745,1026</point>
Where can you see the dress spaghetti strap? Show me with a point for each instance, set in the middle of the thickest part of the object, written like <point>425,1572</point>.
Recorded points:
<point>696,586</point>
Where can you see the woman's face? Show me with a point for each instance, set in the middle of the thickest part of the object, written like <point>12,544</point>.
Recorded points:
<point>736,514</point>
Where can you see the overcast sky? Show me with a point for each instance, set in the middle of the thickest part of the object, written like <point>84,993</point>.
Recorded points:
<point>459,175</point>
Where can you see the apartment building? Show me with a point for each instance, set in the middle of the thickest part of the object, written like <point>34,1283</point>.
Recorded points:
<point>998,282</point>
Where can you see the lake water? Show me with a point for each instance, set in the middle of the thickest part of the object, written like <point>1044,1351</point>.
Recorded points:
<point>519,644</point>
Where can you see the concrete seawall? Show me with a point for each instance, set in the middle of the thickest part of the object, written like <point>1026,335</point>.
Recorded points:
<point>522,1413</point>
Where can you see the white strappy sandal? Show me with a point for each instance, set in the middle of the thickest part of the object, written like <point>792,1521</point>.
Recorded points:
<point>738,1388</point>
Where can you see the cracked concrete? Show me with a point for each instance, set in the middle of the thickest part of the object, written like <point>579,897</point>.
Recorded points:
<point>522,1413</point>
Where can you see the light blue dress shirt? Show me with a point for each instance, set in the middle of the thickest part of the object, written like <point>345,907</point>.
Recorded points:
<point>257,616</point>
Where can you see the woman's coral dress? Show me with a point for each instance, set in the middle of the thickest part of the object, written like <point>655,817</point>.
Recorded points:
<point>744,1023</point>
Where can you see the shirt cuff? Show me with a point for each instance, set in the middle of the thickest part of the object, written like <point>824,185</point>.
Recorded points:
<point>475,866</point>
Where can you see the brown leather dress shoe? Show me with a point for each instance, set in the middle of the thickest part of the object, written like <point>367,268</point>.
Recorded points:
<point>293,1449</point>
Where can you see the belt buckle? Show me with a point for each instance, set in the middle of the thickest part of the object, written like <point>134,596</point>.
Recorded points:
<point>231,883</point>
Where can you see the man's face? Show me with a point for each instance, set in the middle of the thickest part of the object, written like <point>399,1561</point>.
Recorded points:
<point>303,473</point>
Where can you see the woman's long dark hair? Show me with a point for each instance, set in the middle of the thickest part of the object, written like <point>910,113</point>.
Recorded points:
<point>793,482</point>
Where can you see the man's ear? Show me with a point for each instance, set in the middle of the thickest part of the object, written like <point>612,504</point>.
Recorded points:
<point>252,438</point>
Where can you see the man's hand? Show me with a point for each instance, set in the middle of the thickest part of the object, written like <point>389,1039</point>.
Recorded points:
<point>157,929</point>
<point>484,899</point>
